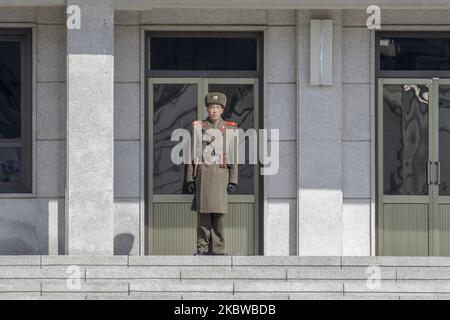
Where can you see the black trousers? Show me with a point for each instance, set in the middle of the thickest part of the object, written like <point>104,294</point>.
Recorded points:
<point>210,233</point>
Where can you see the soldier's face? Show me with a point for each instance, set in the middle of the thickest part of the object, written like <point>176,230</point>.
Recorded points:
<point>214,111</point>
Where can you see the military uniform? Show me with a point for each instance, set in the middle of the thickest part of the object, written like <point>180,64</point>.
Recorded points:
<point>212,175</point>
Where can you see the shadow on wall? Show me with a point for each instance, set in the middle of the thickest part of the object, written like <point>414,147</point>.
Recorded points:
<point>123,244</point>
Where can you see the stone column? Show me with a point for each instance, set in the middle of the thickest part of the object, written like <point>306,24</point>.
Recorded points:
<point>90,130</point>
<point>319,147</point>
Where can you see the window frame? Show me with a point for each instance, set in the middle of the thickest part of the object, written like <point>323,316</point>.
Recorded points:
<point>204,73</point>
<point>407,73</point>
<point>24,37</point>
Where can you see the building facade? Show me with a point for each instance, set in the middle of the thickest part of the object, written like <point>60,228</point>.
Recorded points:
<point>87,127</point>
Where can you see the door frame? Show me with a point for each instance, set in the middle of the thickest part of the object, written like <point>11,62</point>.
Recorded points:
<point>433,199</point>
<point>202,89</point>
<point>444,199</point>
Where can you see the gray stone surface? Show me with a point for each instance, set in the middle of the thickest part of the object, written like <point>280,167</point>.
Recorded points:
<point>97,176</point>
<point>354,18</point>
<point>51,49</point>
<point>332,286</point>
<point>316,296</point>
<point>234,273</point>
<point>91,286</point>
<point>84,260</point>
<point>205,16</point>
<point>257,277</point>
<point>15,14</point>
<point>24,285</point>
<point>126,227</point>
<point>320,196</point>
<point>320,105</point>
<point>20,260</point>
<point>50,225</point>
<point>51,110</point>
<point>356,112</point>
<point>134,296</point>
<point>142,272</point>
<point>356,231</point>
<point>397,261</point>
<point>306,15</point>
<point>20,296</point>
<point>424,273</point>
<point>281,110</point>
<point>179,261</point>
<point>285,261</point>
<point>126,111</point>
<point>51,168</point>
<point>126,169</point>
<point>185,286</point>
<point>90,129</point>
<point>125,17</point>
<point>18,227</point>
<point>62,296</point>
<point>278,218</point>
<point>356,55</point>
<point>90,232</point>
<point>339,296</point>
<point>126,54</point>
<point>282,184</point>
<point>320,167</point>
<point>51,15</point>
<point>337,273</point>
<point>356,169</point>
<point>281,17</point>
<point>399,287</point>
<point>320,221</point>
<point>415,17</point>
<point>281,54</point>
<point>235,296</point>
<point>36,272</point>
<point>155,296</point>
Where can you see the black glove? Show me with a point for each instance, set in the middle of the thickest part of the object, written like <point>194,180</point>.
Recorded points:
<point>191,187</point>
<point>231,188</point>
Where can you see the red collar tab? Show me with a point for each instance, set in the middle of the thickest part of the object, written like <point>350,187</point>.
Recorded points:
<point>234,124</point>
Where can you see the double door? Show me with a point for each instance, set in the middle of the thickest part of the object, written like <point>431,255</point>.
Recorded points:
<point>413,155</point>
<point>171,224</point>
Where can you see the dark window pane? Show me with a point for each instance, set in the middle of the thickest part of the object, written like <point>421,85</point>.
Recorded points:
<point>10,90</point>
<point>444,138</point>
<point>10,165</point>
<point>407,53</point>
<point>405,139</point>
<point>203,53</point>
<point>240,109</point>
<point>175,107</point>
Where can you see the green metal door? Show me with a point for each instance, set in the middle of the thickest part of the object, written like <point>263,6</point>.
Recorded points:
<point>413,211</point>
<point>175,103</point>
<point>442,166</point>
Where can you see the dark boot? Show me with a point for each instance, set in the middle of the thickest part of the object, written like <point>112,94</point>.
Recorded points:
<point>201,253</point>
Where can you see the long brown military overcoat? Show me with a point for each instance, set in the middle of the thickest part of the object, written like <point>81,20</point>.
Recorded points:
<point>211,179</point>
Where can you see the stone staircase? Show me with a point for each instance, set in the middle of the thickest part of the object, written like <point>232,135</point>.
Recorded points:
<point>223,277</point>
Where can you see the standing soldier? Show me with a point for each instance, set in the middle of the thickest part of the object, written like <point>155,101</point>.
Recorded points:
<point>211,177</point>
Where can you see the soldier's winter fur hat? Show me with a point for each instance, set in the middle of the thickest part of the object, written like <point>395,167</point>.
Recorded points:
<point>216,98</point>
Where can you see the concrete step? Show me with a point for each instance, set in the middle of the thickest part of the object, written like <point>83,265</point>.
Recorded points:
<point>223,277</point>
